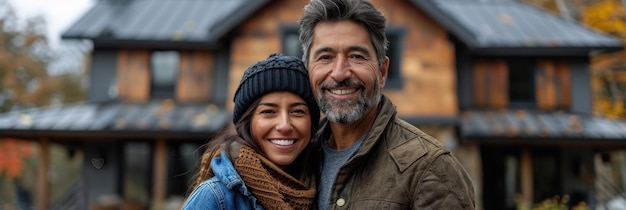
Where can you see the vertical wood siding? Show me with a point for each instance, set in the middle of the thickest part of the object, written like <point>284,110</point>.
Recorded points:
<point>195,81</point>
<point>427,63</point>
<point>553,85</point>
<point>490,83</point>
<point>133,75</point>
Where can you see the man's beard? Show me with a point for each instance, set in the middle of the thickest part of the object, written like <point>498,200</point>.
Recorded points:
<point>349,111</point>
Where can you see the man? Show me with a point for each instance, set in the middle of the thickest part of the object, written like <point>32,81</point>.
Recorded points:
<point>371,158</point>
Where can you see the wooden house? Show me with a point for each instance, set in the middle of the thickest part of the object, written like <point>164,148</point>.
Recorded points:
<point>504,85</point>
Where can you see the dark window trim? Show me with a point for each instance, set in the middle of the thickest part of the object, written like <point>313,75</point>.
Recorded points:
<point>395,80</point>
<point>285,30</point>
<point>532,104</point>
<point>163,92</point>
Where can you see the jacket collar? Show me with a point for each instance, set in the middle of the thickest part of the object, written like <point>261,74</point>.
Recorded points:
<point>224,170</point>
<point>385,114</point>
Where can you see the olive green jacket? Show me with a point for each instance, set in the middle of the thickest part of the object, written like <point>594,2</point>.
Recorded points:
<point>400,167</point>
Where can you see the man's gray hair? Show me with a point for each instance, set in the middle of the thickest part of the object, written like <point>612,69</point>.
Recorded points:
<point>361,12</point>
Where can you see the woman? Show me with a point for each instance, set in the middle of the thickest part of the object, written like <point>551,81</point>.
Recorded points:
<point>266,160</point>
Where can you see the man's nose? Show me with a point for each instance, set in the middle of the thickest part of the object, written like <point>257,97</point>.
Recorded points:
<point>341,70</point>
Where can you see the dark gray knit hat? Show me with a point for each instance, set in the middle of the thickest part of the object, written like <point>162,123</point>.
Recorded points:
<point>276,73</point>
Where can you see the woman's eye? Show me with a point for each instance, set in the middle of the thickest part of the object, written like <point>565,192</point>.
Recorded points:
<point>266,111</point>
<point>299,111</point>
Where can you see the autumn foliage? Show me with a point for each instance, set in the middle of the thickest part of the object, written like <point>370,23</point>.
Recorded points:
<point>608,70</point>
<point>11,156</point>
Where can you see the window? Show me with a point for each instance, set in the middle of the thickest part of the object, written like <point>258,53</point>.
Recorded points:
<point>394,52</point>
<point>521,82</point>
<point>163,73</point>
<point>291,41</point>
<point>137,172</point>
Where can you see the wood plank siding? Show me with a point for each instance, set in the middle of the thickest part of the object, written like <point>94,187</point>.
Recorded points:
<point>195,81</point>
<point>133,75</point>
<point>426,62</point>
<point>490,86</point>
<point>552,84</point>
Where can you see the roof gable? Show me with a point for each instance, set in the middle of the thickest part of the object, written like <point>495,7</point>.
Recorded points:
<point>196,21</point>
<point>510,24</point>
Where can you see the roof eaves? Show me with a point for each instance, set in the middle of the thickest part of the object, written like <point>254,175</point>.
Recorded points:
<point>541,51</point>
<point>103,8</point>
<point>109,42</point>
<point>448,22</point>
<point>230,22</point>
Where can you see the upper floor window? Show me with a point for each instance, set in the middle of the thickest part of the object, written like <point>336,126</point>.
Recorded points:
<point>521,79</point>
<point>163,73</point>
<point>291,41</point>
<point>394,52</point>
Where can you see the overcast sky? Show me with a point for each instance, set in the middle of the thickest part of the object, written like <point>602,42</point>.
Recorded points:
<point>59,14</point>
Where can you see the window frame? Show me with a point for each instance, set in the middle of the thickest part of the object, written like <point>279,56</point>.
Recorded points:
<point>532,75</point>
<point>395,37</point>
<point>164,91</point>
<point>288,30</point>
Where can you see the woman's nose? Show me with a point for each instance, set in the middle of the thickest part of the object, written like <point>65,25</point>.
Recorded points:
<point>284,124</point>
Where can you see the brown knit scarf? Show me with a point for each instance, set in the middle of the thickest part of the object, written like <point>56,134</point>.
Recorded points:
<point>274,188</point>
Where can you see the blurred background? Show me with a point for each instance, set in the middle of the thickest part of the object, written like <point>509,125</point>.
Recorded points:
<point>104,104</point>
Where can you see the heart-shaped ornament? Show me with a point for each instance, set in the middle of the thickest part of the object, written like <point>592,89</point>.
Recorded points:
<point>97,162</point>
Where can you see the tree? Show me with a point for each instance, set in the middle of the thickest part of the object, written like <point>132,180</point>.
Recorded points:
<point>24,57</point>
<point>26,83</point>
<point>608,70</point>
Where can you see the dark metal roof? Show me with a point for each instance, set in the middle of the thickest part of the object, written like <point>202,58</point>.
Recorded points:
<point>504,125</point>
<point>156,21</point>
<point>116,119</point>
<point>486,26</point>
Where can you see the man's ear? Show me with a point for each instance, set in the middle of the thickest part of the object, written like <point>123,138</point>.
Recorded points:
<point>384,67</point>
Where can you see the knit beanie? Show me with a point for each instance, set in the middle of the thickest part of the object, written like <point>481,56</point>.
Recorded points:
<point>276,73</point>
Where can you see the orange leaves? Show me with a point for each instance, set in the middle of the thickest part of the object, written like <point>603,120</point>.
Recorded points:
<point>12,153</point>
<point>607,16</point>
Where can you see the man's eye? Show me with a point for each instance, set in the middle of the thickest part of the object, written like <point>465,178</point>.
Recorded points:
<point>324,57</point>
<point>357,57</point>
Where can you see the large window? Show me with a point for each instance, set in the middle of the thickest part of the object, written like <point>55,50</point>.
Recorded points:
<point>163,73</point>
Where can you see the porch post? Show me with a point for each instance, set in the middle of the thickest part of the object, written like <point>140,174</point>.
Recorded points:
<point>160,171</point>
<point>43,193</point>
<point>526,174</point>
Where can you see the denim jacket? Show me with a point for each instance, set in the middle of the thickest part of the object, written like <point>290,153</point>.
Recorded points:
<point>226,190</point>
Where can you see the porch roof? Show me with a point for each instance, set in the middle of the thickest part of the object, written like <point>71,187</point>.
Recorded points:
<point>540,127</point>
<point>116,119</point>
<point>498,27</point>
